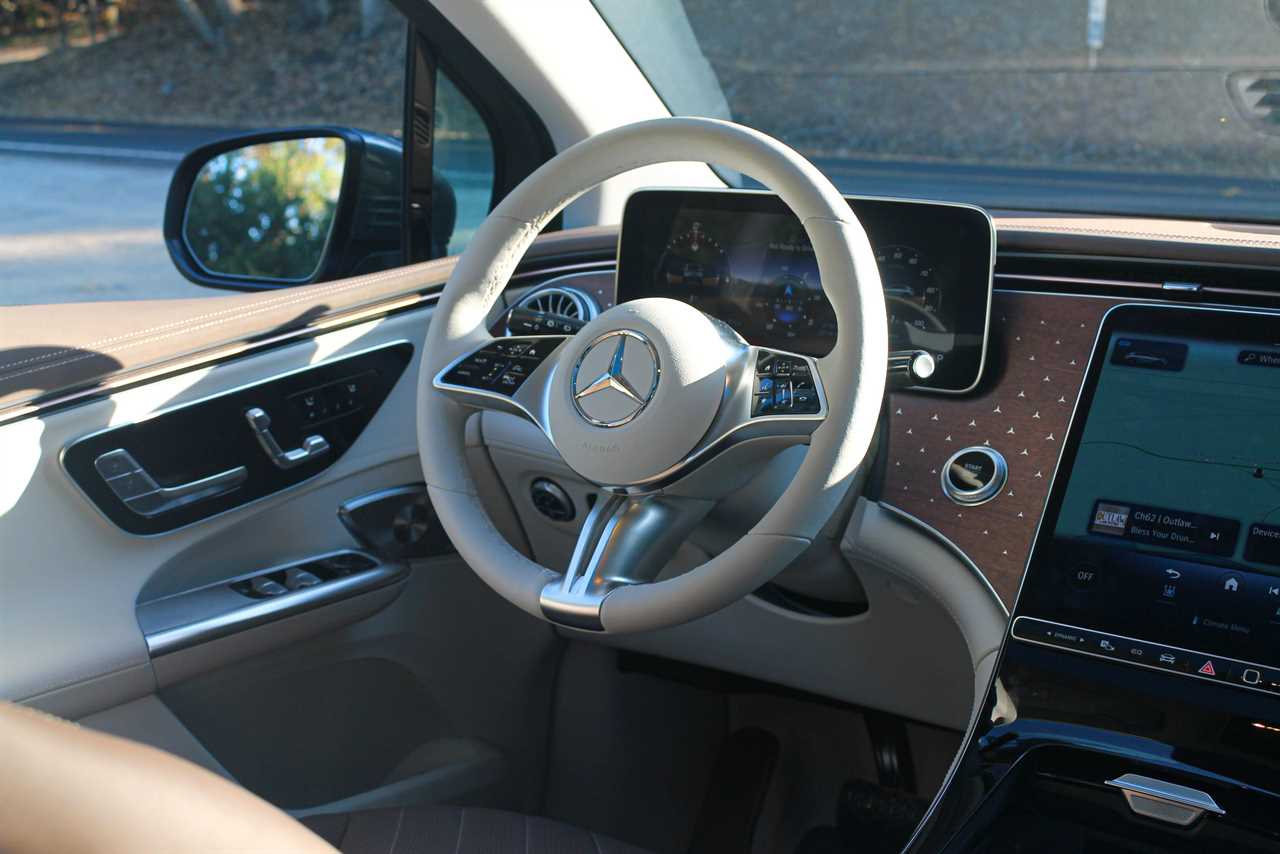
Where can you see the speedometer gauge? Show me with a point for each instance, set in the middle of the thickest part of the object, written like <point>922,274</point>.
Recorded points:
<point>693,259</point>
<point>913,296</point>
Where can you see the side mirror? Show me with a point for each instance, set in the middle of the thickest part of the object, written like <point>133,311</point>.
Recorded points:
<point>285,208</point>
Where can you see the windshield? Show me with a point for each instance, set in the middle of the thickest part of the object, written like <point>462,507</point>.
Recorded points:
<point>1168,107</point>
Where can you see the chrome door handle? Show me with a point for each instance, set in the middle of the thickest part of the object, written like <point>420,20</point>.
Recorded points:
<point>135,486</point>
<point>312,446</point>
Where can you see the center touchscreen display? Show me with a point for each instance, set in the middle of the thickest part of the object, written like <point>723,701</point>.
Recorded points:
<point>1160,545</point>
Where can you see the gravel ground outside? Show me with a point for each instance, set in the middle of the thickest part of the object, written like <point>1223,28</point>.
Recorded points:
<point>272,71</point>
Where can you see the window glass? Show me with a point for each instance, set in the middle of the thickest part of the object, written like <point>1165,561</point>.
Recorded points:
<point>1120,106</point>
<point>464,159</point>
<point>101,101</point>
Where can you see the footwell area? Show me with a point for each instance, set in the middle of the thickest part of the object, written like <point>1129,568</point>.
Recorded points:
<point>676,758</point>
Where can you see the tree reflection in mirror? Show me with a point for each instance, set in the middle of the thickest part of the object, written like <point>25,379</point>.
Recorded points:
<point>265,211</point>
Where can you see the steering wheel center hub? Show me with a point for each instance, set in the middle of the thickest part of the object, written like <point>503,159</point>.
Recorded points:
<point>636,389</point>
<point>615,378</point>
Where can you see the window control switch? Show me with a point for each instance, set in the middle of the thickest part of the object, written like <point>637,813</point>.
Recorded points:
<point>297,579</point>
<point>265,585</point>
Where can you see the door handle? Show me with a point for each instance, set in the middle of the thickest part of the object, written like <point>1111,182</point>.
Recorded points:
<point>135,486</point>
<point>312,446</point>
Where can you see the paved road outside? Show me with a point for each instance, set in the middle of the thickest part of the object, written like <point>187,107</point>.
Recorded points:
<point>82,209</point>
<point>83,230</point>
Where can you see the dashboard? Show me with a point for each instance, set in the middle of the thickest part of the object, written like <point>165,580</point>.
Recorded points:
<point>743,257</point>
<point>1133,696</point>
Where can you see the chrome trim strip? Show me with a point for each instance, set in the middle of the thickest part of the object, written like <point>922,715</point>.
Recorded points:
<point>597,266</point>
<point>1013,633</point>
<point>1172,793</point>
<point>1078,280</point>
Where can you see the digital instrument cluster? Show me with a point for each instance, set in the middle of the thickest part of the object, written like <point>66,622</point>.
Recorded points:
<point>743,257</point>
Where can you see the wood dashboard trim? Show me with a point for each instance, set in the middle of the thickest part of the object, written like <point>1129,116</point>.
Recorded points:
<point>1038,349</point>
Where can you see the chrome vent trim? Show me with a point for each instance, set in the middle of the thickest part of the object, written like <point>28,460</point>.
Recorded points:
<point>559,301</point>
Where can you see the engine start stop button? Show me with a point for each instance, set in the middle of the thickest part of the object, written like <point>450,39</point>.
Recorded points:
<point>974,475</point>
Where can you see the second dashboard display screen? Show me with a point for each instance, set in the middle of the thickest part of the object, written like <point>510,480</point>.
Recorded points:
<point>745,259</point>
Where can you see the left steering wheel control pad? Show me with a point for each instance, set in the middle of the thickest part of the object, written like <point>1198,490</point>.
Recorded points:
<point>502,366</point>
<point>636,389</point>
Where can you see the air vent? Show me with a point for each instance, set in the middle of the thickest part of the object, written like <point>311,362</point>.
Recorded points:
<point>561,302</point>
<point>1256,95</point>
<point>555,302</point>
<point>422,129</point>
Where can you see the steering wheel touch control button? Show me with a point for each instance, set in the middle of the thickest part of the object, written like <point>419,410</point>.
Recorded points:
<point>501,366</point>
<point>974,475</point>
<point>784,386</point>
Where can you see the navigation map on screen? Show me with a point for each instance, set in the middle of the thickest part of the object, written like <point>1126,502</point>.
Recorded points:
<point>1180,454</point>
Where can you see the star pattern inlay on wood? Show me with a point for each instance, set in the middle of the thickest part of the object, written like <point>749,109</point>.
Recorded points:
<point>1037,351</point>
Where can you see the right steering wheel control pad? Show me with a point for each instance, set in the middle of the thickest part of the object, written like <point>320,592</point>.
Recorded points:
<point>784,386</point>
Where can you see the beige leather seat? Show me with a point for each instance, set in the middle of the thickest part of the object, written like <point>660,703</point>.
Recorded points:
<point>457,830</point>
<point>66,789</point>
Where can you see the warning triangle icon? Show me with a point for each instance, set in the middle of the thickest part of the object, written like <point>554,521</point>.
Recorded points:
<point>1207,669</point>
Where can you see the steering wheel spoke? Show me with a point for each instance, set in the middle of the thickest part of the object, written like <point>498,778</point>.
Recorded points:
<point>506,374</point>
<point>624,540</point>
<point>769,394</point>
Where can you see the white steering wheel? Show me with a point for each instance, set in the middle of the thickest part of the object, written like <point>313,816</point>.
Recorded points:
<point>653,400</point>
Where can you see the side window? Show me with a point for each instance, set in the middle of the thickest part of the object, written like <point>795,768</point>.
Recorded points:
<point>102,100</point>
<point>463,162</point>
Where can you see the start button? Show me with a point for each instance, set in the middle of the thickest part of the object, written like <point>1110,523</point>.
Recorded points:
<point>974,475</point>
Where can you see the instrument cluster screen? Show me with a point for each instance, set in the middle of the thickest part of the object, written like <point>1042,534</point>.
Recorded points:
<point>744,258</point>
<point>1161,539</point>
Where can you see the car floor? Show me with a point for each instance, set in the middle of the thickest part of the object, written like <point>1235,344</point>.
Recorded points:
<point>635,744</point>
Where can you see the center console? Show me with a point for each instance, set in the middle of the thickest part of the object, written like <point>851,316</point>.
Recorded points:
<point>1136,704</point>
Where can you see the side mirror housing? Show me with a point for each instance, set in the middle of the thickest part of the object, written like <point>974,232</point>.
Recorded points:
<point>284,208</point>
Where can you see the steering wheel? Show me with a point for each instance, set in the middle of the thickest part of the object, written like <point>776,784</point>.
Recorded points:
<point>653,401</point>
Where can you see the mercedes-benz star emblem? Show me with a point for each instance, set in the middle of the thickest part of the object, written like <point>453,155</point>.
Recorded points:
<point>615,378</point>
